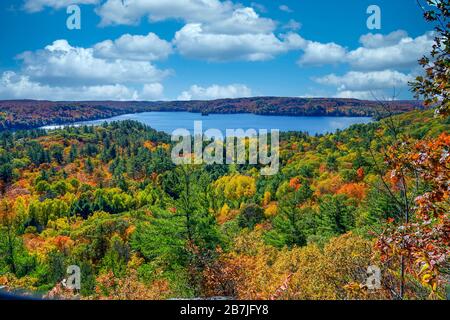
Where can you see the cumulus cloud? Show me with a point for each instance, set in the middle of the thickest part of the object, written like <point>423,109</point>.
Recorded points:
<point>220,16</point>
<point>196,92</point>
<point>378,40</point>
<point>395,50</point>
<point>293,41</point>
<point>194,42</point>
<point>134,47</point>
<point>365,85</point>
<point>39,5</point>
<point>242,20</point>
<point>17,86</point>
<point>378,52</point>
<point>355,80</point>
<point>214,30</point>
<point>130,12</point>
<point>62,64</point>
<point>63,72</point>
<point>316,53</point>
<point>151,91</point>
<point>383,63</point>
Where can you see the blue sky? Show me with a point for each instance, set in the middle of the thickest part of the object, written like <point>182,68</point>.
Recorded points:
<point>206,49</point>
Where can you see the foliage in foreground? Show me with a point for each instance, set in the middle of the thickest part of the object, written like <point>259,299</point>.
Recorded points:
<point>109,200</point>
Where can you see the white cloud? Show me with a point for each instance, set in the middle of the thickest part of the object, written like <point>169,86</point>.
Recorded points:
<point>151,91</point>
<point>103,92</point>
<point>294,41</point>
<point>378,40</point>
<point>39,5</point>
<point>220,16</point>
<point>130,12</point>
<point>63,72</point>
<point>382,65</point>
<point>196,92</point>
<point>214,30</point>
<point>316,53</point>
<point>62,64</point>
<point>378,52</point>
<point>285,8</point>
<point>216,16</point>
<point>194,42</point>
<point>134,47</point>
<point>241,21</point>
<point>366,85</point>
<point>395,50</point>
<point>16,86</point>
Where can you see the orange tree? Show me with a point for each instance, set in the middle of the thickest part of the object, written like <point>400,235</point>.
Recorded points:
<point>434,86</point>
<point>422,240</point>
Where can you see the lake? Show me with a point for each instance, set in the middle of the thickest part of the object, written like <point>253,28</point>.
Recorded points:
<point>169,121</point>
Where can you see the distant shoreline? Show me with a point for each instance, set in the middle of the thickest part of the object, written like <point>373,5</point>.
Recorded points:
<point>29,114</point>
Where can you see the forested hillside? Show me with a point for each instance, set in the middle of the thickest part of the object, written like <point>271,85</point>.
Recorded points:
<point>25,114</point>
<point>109,200</point>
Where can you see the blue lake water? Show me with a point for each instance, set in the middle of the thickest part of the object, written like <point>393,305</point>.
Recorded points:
<point>169,121</point>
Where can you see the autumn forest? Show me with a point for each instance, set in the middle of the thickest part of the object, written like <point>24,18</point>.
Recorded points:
<point>109,199</point>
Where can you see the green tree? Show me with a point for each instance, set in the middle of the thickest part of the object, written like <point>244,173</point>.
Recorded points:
<point>15,258</point>
<point>337,215</point>
<point>290,226</point>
